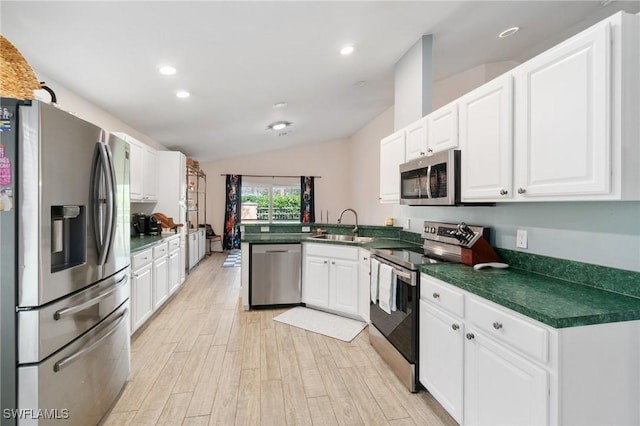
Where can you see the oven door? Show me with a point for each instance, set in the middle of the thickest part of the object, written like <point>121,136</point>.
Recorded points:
<point>400,327</point>
<point>431,180</point>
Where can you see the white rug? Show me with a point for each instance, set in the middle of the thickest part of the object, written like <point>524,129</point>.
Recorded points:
<point>322,322</point>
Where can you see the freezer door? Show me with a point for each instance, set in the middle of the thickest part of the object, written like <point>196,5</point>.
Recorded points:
<point>78,384</point>
<point>56,248</point>
<point>43,331</point>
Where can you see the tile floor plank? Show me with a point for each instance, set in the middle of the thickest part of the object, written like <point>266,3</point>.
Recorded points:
<point>248,406</point>
<point>205,391</point>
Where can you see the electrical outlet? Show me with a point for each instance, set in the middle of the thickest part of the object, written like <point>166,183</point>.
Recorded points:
<point>306,229</point>
<point>264,229</point>
<point>407,223</point>
<point>521,238</point>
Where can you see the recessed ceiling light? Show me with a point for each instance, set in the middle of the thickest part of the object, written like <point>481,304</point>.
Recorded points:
<point>280,104</point>
<point>183,94</point>
<point>279,125</point>
<point>361,83</point>
<point>167,70</point>
<point>347,50</point>
<point>508,32</point>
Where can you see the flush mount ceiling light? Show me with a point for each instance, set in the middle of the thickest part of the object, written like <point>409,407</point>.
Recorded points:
<point>508,32</point>
<point>279,125</point>
<point>347,50</point>
<point>182,94</point>
<point>166,70</point>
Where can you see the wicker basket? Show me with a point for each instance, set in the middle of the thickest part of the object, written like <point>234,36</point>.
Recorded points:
<point>17,79</point>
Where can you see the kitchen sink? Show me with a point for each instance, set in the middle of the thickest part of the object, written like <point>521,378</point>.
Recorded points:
<point>347,238</point>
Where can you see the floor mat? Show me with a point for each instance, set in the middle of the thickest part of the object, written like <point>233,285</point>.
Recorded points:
<point>331,325</point>
<point>233,259</point>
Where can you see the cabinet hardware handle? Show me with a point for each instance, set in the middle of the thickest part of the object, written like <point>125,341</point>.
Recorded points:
<point>333,263</point>
<point>470,336</point>
<point>436,295</point>
<point>503,192</point>
<point>365,258</point>
<point>421,153</point>
<point>455,326</point>
<point>521,190</point>
<point>429,150</point>
<point>325,262</point>
<point>497,325</point>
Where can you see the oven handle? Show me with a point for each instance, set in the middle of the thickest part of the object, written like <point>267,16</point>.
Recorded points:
<point>398,272</point>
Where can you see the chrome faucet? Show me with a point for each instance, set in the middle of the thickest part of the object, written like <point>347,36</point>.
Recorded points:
<point>355,228</point>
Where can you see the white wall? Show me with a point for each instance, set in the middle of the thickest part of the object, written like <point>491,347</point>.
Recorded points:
<point>84,109</point>
<point>329,160</point>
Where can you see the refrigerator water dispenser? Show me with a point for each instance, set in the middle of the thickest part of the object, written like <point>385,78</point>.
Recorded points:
<point>68,237</point>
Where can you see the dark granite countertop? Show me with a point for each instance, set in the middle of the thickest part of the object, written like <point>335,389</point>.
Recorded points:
<point>284,238</point>
<point>144,242</point>
<point>555,302</point>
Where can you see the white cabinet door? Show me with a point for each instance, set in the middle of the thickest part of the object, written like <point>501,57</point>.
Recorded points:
<point>486,141</point>
<point>193,249</point>
<point>364,283</point>
<point>391,156</point>
<point>441,358</point>
<point>174,271</point>
<point>160,281</point>
<point>141,296</point>
<point>343,286</point>
<point>442,127</point>
<point>416,139</point>
<point>136,157</point>
<point>150,175</point>
<point>500,387</point>
<point>315,288</point>
<point>202,244</point>
<point>183,258</point>
<point>563,116</point>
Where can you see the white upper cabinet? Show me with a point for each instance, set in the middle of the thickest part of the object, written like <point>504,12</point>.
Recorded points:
<point>563,117</point>
<point>392,154</point>
<point>143,160</point>
<point>569,131</point>
<point>442,125</point>
<point>416,139</point>
<point>486,141</point>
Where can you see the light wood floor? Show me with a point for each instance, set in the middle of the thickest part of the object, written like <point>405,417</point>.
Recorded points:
<point>203,360</point>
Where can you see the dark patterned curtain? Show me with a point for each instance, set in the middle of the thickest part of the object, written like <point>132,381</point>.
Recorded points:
<point>232,213</point>
<point>307,204</point>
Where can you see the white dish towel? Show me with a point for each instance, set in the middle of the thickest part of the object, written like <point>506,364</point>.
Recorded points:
<point>387,288</point>
<point>375,267</point>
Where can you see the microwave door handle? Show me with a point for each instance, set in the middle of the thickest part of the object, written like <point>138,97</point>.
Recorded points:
<point>429,181</point>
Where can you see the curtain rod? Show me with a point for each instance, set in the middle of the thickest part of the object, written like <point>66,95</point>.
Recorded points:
<point>271,176</point>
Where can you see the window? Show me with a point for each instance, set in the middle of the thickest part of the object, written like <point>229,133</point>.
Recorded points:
<point>270,200</point>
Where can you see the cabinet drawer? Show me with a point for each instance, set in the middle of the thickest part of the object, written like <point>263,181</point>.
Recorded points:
<point>160,250</point>
<point>519,333</point>
<point>333,251</point>
<point>174,244</point>
<point>441,295</point>
<point>141,259</point>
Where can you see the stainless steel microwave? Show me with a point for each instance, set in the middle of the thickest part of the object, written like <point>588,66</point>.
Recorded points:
<point>431,180</point>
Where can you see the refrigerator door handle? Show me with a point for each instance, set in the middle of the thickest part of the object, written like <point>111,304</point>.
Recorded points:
<point>111,196</point>
<point>102,185</point>
<point>65,312</point>
<point>64,362</point>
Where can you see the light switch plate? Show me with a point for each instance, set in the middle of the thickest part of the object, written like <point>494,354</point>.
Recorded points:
<point>521,238</point>
<point>306,229</point>
<point>264,229</point>
<point>407,224</point>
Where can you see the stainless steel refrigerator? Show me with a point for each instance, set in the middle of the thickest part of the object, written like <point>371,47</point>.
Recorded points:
<point>64,294</point>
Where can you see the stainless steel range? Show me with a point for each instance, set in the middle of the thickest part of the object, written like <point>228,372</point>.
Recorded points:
<point>395,332</point>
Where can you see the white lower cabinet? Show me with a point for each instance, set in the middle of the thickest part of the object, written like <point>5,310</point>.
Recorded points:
<point>202,244</point>
<point>500,387</point>
<point>141,288</point>
<point>160,281</point>
<point>193,249</point>
<point>487,364</point>
<point>174,271</point>
<point>330,278</point>
<point>441,357</point>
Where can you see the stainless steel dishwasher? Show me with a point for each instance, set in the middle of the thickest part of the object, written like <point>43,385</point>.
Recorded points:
<point>275,274</point>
